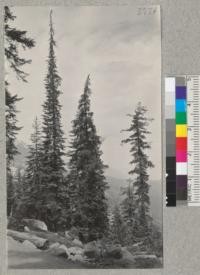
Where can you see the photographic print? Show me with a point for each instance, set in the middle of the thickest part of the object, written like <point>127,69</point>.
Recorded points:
<point>83,137</point>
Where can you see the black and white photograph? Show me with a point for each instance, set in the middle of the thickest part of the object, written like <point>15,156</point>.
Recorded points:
<point>83,137</point>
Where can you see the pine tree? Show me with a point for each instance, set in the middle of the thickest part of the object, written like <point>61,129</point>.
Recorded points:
<point>53,181</point>
<point>13,40</point>
<point>140,162</point>
<point>30,204</point>
<point>87,181</point>
<point>118,227</point>
<point>128,207</point>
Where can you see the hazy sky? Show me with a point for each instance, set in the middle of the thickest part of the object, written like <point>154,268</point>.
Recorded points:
<point>121,52</point>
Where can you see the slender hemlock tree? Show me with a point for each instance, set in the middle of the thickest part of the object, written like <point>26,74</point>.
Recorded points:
<point>53,184</point>
<point>140,162</point>
<point>86,178</point>
<point>13,40</point>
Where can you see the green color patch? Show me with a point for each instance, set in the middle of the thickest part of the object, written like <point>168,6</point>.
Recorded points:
<point>181,118</point>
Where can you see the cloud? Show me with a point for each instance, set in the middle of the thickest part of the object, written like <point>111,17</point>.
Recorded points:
<point>119,49</point>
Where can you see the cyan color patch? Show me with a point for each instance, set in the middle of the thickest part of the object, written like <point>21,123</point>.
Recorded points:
<point>181,105</point>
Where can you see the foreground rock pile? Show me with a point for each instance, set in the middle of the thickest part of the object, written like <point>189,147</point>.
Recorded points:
<point>96,253</point>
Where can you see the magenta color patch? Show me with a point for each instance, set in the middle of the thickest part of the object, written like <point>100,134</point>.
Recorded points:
<point>181,156</point>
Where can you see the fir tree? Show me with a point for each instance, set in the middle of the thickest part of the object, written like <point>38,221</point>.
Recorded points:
<point>140,163</point>
<point>87,181</point>
<point>14,38</point>
<point>53,182</point>
<point>30,204</point>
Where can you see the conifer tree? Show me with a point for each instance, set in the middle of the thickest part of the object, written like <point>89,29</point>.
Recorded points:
<point>14,39</point>
<point>140,163</point>
<point>30,203</point>
<point>86,178</point>
<point>11,149</point>
<point>53,181</point>
<point>11,126</point>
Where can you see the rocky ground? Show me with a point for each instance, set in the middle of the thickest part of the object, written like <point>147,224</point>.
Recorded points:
<point>37,248</point>
<point>22,257</point>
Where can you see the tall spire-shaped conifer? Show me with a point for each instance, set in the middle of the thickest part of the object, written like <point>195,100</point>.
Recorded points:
<point>87,181</point>
<point>54,189</point>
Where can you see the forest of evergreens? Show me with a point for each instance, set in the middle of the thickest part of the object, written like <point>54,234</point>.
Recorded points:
<point>72,196</point>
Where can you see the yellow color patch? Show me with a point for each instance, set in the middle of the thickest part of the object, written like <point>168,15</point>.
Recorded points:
<point>181,130</point>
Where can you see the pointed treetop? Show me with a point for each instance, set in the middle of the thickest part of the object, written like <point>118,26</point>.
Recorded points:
<point>87,85</point>
<point>50,16</point>
<point>51,27</point>
<point>87,80</point>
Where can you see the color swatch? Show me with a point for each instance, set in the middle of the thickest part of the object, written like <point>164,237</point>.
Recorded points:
<point>181,138</point>
<point>182,111</point>
<point>170,121</point>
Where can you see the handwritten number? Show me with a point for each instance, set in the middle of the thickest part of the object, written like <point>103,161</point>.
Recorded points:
<point>146,11</point>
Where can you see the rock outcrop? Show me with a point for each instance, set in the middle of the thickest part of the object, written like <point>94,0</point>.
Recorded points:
<point>39,242</point>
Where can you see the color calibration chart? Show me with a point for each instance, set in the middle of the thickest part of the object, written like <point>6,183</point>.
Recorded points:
<point>182,117</point>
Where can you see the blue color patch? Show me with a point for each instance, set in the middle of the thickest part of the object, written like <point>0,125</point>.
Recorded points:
<point>181,105</point>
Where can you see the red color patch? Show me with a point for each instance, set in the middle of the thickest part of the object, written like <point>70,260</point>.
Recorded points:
<point>181,143</point>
